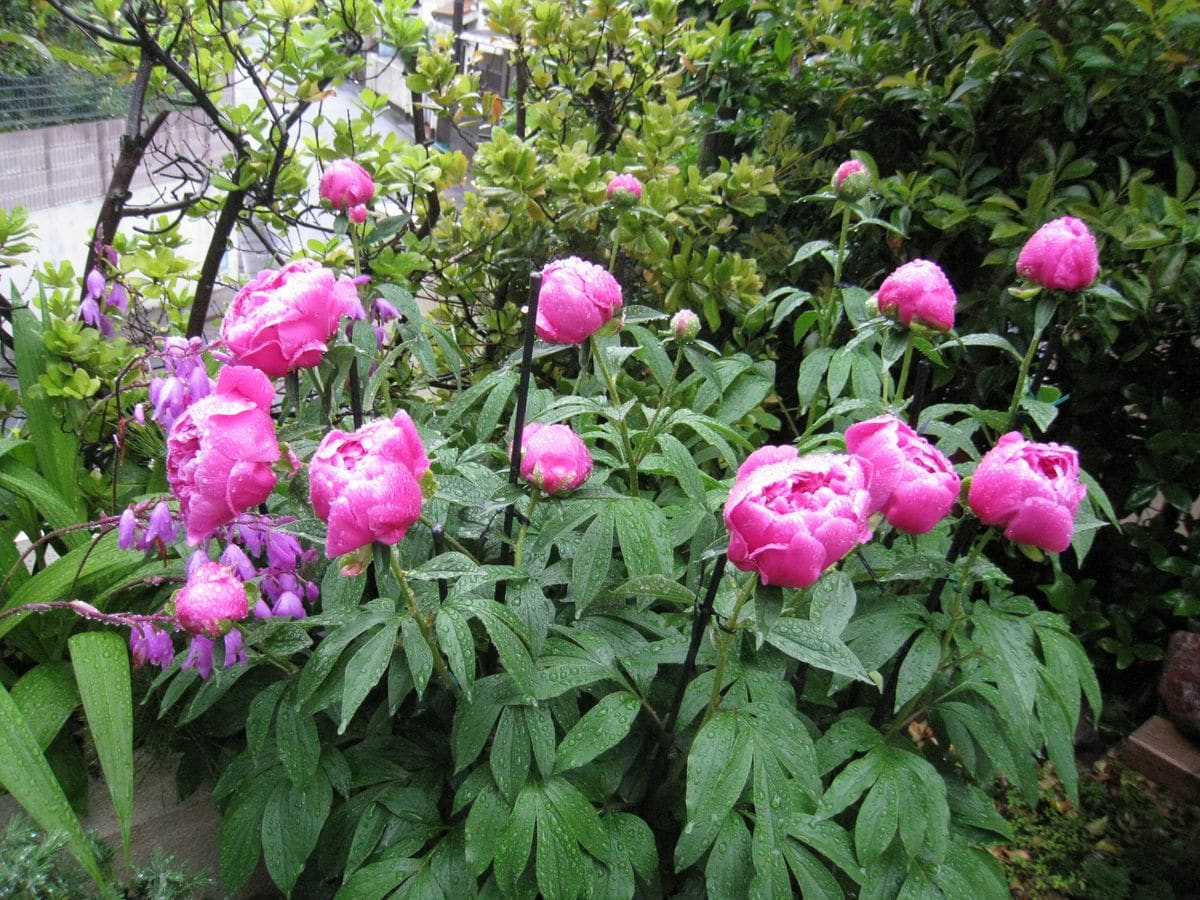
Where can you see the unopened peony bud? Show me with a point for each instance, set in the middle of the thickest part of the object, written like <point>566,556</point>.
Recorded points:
<point>852,180</point>
<point>624,189</point>
<point>685,325</point>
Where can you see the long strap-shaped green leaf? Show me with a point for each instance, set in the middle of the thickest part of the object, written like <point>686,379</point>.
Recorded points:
<point>26,775</point>
<point>101,662</point>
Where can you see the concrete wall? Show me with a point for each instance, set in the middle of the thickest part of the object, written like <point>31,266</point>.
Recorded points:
<point>60,173</point>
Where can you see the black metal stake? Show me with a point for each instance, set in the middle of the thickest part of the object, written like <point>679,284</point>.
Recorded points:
<point>355,393</point>
<point>514,466</point>
<point>699,626</point>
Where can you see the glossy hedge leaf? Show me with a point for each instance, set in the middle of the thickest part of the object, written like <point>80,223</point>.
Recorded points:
<point>718,766</point>
<point>101,663</point>
<point>602,727</point>
<point>809,643</point>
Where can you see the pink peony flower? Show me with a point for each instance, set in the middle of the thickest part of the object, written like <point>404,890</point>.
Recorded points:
<point>575,300</point>
<point>554,458</point>
<point>1031,490</point>
<point>919,292</point>
<point>792,517</point>
<point>280,321</point>
<point>1061,254</point>
<point>624,186</point>
<point>358,214</point>
<point>220,451</point>
<point>212,598</point>
<point>346,184</point>
<point>912,482</point>
<point>685,325</point>
<point>852,179</point>
<point>364,485</point>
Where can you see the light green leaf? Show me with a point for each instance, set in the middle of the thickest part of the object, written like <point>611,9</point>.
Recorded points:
<point>46,696</point>
<point>101,663</point>
<point>27,777</point>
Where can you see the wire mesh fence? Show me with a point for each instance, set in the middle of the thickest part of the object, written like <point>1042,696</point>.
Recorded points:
<point>58,97</point>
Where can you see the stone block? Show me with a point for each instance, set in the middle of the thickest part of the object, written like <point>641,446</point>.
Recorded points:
<point>1162,754</point>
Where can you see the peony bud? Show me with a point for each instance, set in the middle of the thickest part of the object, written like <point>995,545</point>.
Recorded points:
<point>685,325</point>
<point>1061,254</point>
<point>852,180</point>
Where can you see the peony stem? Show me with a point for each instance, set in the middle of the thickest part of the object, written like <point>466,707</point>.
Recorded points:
<point>662,402</point>
<point>519,553</point>
<point>1039,325</point>
<point>725,643</point>
<point>841,254</point>
<point>514,463</point>
<point>622,428</point>
<point>963,590</point>
<point>423,623</point>
<point>909,341</point>
<point>612,255</point>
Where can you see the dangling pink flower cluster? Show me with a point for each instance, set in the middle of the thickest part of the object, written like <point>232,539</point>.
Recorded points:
<point>150,644</point>
<point>213,598</point>
<point>258,550</point>
<point>151,531</point>
<point>90,310</point>
<point>186,380</point>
